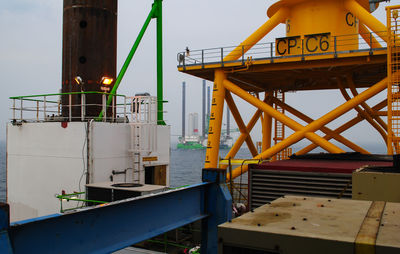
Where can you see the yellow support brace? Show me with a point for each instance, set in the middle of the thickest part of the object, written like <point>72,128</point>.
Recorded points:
<point>343,128</point>
<point>368,37</point>
<point>308,130</point>
<point>260,33</point>
<point>329,132</point>
<point>364,114</point>
<point>267,126</point>
<point>366,18</point>
<point>241,161</point>
<point>301,131</point>
<point>244,130</point>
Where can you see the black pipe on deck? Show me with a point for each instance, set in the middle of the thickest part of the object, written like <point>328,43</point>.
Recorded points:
<point>89,53</point>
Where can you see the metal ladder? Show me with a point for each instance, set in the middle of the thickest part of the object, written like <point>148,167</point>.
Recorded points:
<point>393,69</point>
<point>143,127</point>
<point>280,129</point>
<point>136,152</point>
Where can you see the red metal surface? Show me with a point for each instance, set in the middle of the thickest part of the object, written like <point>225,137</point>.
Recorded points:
<point>321,166</point>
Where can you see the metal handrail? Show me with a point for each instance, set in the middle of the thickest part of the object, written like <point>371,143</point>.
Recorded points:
<point>38,108</point>
<point>58,94</point>
<point>76,197</point>
<point>268,50</point>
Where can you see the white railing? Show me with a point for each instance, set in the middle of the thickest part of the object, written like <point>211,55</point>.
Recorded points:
<point>143,109</point>
<point>49,108</point>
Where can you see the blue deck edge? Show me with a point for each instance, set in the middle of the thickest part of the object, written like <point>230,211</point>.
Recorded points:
<point>117,225</point>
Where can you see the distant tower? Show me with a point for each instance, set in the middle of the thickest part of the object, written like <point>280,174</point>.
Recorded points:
<point>228,122</point>
<point>89,54</point>
<point>183,109</point>
<point>203,115</point>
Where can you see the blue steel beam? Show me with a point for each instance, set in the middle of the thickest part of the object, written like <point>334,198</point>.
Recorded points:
<point>111,227</point>
<point>218,204</point>
<point>5,244</point>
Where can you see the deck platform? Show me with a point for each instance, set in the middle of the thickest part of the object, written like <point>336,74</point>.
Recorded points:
<point>295,224</point>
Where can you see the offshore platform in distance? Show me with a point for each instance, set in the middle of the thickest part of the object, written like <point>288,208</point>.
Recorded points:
<point>193,139</point>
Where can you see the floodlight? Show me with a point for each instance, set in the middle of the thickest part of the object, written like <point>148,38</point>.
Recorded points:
<point>106,80</point>
<point>78,80</point>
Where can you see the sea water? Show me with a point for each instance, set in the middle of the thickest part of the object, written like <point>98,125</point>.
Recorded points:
<point>2,171</point>
<point>185,167</point>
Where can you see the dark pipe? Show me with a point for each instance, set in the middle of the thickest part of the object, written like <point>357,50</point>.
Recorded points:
<point>89,51</point>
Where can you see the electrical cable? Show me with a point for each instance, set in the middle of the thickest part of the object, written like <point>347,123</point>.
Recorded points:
<point>84,171</point>
<point>83,157</point>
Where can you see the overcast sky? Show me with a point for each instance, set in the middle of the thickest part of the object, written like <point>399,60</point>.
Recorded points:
<point>31,41</point>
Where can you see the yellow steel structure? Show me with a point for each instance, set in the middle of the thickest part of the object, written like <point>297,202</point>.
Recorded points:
<point>329,44</point>
<point>393,67</point>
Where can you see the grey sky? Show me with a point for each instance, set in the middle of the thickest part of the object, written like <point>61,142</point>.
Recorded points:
<point>30,51</point>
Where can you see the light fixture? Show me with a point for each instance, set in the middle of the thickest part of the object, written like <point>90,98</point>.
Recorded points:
<point>78,80</point>
<point>106,80</point>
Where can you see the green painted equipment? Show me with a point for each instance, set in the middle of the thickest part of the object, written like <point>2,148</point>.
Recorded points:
<point>156,12</point>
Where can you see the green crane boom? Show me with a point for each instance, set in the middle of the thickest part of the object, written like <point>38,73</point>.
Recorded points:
<point>156,12</point>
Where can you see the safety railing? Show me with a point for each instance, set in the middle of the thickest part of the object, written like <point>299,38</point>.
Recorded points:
<point>77,201</point>
<point>393,68</point>
<point>49,108</point>
<point>283,155</point>
<point>143,109</point>
<point>288,47</point>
